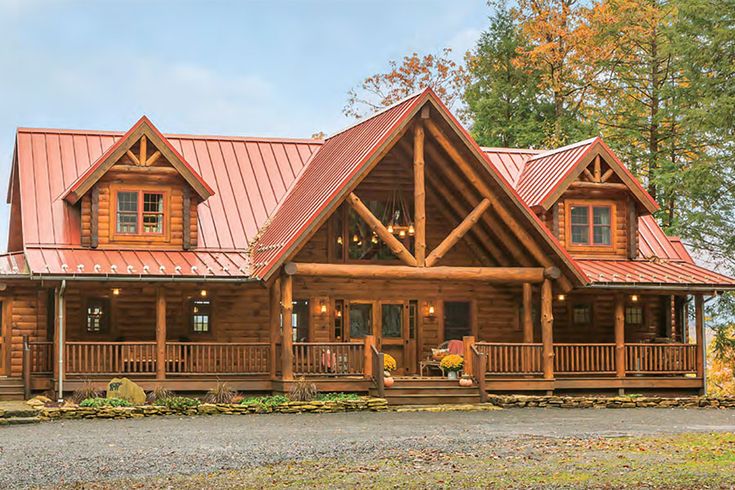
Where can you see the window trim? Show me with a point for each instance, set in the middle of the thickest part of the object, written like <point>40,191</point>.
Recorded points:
<point>106,305</point>
<point>590,205</point>
<point>140,236</point>
<point>190,313</point>
<point>642,310</point>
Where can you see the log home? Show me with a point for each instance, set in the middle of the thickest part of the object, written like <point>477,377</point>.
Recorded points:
<point>180,260</point>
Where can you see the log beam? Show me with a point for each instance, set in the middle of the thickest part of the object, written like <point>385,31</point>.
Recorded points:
<point>287,320</point>
<point>398,249</point>
<point>143,150</point>
<point>610,186</point>
<point>456,234</point>
<point>160,334</point>
<point>275,323</point>
<point>153,159</point>
<point>419,195</point>
<point>547,326</point>
<point>497,275</point>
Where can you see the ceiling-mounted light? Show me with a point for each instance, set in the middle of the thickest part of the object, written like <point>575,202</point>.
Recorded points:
<point>203,293</point>
<point>634,298</point>
<point>116,291</point>
<point>411,230</point>
<point>390,228</point>
<point>355,238</point>
<point>561,297</point>
<point>339,239</point>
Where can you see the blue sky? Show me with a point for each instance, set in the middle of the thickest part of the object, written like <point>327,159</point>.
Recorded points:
<point>208,67</point>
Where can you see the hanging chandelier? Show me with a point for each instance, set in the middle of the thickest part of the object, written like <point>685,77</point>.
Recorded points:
<point>397,216</point>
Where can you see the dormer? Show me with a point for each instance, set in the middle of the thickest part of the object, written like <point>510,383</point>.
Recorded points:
<point>588,198</point>
<point>139,193</point>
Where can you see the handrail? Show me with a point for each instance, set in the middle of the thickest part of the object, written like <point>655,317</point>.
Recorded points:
<point>479,368</point>
<point>329,358</point>
<point>378,370</point>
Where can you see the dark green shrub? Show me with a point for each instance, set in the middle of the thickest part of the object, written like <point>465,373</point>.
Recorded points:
<point>337,397</point>
<point>178,402</point>
<point>265,402</point>
<point>104,402</point>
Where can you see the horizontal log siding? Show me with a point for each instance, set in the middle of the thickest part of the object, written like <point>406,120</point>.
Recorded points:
<point>28,310</point>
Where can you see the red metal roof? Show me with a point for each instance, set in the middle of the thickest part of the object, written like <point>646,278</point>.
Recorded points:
<point>248,176</point>
<point>544,171</point>
<point>652,273</point>
<point>327,175</point>
<point>13,264</point>
<point>509,162</point>
<point>69,262</point>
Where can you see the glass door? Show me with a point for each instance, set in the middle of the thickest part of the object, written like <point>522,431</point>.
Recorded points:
<point>394,338</point>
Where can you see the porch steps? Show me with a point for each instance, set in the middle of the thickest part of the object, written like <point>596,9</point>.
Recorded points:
<point>428,391</point>
<point>11,389</point>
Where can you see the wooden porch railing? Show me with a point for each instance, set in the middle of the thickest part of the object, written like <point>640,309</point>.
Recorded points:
<point>328,358</point>
<point>41,357</point>
<point>110,358</point>
<point>508,358</point>
<point>584,358</point>
<point>479,363</point>
<point>218,358</point>
<point>660,358</point>
<point>378,371</point>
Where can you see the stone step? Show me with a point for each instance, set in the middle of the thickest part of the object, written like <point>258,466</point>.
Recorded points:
<point>17,413</point>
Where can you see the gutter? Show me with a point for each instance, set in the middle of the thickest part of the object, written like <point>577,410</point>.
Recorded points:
<point>664,287</point>
<point>139,278</point>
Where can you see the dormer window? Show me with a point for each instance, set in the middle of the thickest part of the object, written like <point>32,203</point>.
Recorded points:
<point>140,212</point>
<point>591,224</point>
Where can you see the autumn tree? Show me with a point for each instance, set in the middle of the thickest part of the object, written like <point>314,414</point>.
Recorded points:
<point>566,48</point>
<point>502,99</point>
<point>415,72</point>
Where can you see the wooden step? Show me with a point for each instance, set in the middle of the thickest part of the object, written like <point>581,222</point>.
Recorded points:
<point>11,389</point>
<point>428,391</point>
<point>430,399</point>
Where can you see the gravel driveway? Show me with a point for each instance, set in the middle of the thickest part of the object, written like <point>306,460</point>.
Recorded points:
<point>78,450</point>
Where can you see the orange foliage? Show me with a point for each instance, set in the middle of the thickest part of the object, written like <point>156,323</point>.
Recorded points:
<point>414,73</point>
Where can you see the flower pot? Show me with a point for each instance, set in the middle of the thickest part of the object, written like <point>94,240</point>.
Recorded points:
<point>388,382</point>
<point>465,381</point>
<point>452,374</point>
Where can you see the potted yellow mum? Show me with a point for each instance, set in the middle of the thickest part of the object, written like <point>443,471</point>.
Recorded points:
<point>389,364</point>
<point>452,364</point>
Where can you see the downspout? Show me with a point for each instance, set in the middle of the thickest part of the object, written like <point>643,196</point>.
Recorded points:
<point>60,305</point>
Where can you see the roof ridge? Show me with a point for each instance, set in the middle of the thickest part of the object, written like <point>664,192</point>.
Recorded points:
<point>571,146</point>
<point>102,132</point>
<point>381,111</point>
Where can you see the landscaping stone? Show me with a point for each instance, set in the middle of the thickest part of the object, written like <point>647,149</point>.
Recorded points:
<point>617,402</point>
<point>125,389</point>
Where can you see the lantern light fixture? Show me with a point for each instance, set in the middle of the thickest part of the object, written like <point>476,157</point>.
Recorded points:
<point>203,293</point>
<point>431,310</point>
<point>116,291</point>
<point>323,307</point>
<point>561,297</point>
<point>634,298</point>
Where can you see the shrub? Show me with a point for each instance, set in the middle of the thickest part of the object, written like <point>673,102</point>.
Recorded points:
<point>452,362</point>
<point>302,391</point>
<point>220,394</point>
<point>389,363</point>
<point>178,402</point>
<point>265,402</point>
<point>104,402</point>
<point>336,397</point>
<point>158,393</point>
<point>86,391</point>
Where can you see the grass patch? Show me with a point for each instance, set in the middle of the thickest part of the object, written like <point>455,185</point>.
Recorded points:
<point>104,402</point>
<point>178,402</point>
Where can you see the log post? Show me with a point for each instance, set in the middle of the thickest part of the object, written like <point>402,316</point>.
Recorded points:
<point>160,334</point>
<point>468,341</point>
<point>287,336</point>
<point>527,313</point>
<point>547,325</point>
<point>619,335</point>
<point>369,368</point>
<point>699,331</point>
<point>26,368</point>
<point>419,195</point>
<point>275,324</point>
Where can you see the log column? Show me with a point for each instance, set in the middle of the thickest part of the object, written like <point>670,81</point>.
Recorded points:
<point>419,195</point>
<point>369,368</point>
<point>527,313</point>
<point>287,336</point>
<point>547,324</point>
<point>275,323</point>
<point>699,331</point>
<point>160,334</point>
<point>619,335</point>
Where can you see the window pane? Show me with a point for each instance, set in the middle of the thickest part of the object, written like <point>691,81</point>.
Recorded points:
<point>601,235</point>
<point>96,315</point>
<point>127,212</point>
<point>581,314</point>
<point>200,315</point>
<point>152,223</point>
<point>127,201</point>
<point>392,321</point>
<point>580,234</point>
<point>300,320</point>
<point>634,315</point>
<point>601,215</point>
<point>361,320</point>
<point>152,212</point>
<point>457,321</point>
<point>152,203</point>
<point>580,215</point>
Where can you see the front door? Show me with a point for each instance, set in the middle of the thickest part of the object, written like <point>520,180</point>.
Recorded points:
<point>392,324</point>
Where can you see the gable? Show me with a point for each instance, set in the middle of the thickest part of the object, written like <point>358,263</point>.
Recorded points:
<point>546,176</point>
<point>349,156</point>
<point>138,138</point>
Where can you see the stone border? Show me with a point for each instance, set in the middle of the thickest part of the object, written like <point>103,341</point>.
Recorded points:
<point>69,413</point>
<point>518,401</point>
